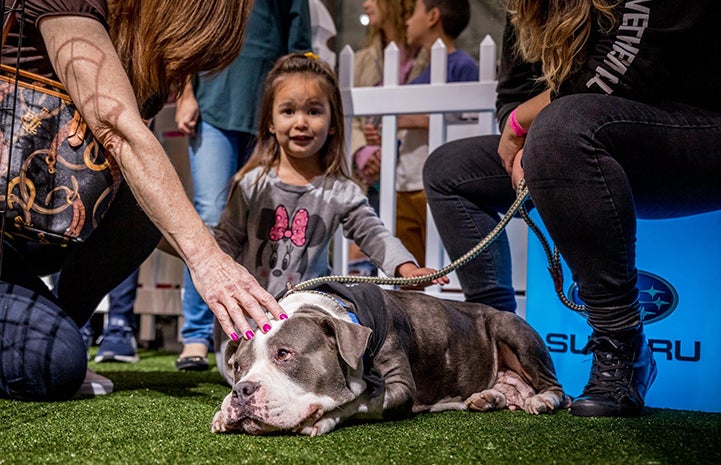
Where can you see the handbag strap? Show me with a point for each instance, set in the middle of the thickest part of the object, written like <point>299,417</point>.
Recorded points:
<point>33,78</point>
<point>9,20</point>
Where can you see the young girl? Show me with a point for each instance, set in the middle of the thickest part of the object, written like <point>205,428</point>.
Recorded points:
<point>287,201</point>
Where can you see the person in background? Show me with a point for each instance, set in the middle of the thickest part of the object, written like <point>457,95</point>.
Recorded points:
<point>119,61</point>
<point>610,110</point>
<point>117,342</point>
<point>386,24</point>
<point>218,113</point>
<point>431,20</point>
<point>287,202</point>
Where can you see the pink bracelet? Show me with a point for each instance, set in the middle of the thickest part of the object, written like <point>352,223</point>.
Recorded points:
<point>513,122</point>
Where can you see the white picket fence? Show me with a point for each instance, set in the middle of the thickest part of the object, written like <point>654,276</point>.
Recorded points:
<point>436,99</point>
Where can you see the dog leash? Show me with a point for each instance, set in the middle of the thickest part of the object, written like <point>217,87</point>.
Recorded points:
<point>552,255</point>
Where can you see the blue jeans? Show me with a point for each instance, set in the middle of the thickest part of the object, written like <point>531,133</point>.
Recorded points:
<point>122,300</point>
<point>466,188</point>
<point>593,164</point>
<point>215,155</point>
<point>42,356</point>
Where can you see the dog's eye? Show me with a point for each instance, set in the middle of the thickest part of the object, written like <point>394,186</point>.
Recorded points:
<point>236,366</point>
<point>283,354</point>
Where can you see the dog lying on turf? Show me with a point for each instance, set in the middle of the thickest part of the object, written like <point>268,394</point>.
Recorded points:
<point>365,353</point>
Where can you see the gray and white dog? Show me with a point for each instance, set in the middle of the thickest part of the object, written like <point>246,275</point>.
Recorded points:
<point>365,353</point>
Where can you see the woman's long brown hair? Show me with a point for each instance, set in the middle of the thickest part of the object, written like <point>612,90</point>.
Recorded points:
<point>555,32</point>
<point>398,12</point>
<point>162,43</point>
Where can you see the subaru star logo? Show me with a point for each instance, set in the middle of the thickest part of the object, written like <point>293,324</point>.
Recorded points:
<point>657,297</point>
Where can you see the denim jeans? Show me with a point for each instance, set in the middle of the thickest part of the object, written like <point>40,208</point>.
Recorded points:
<point>215,155</point>
<point>42,356</point>
<point>593,164</point>
<point>121,300</point>
<point>466,188</point>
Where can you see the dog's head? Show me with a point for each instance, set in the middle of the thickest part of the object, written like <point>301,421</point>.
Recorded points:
<point>307,365</point>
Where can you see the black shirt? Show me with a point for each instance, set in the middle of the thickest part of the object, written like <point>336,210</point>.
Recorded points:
<point>658,51</point>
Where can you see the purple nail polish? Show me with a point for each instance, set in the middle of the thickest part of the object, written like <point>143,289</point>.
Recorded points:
<point>266,328</point>
<point>234,336</point>
<point>249,335</point>
<point>283,316</point>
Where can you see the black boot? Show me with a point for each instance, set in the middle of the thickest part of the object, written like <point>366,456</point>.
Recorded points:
<point>622,372</point>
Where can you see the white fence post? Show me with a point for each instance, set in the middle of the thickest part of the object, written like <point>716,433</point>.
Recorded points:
<point>437,136</point>
<point>389,140</point>
<point>346,71</point>
<point>439,75</point>
<point>435,99</point>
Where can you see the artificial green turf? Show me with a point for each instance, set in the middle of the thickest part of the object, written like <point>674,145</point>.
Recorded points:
<point>160,415</point>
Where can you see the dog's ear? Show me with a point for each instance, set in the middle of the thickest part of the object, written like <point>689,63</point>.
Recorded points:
<point>352,339</point>
<point>230,349</point>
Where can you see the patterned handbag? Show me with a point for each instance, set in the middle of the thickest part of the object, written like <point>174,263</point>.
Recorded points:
<point>56,181</point>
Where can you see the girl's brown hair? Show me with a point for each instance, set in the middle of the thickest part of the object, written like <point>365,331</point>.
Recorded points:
<point>555,32</point>
<point>162,43</point>
<point>267,151</point>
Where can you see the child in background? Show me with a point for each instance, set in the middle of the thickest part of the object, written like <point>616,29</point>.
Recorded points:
<point>287,201</point>
<point>431,20</point>
<point>285,204</point>
<point>386,24</point>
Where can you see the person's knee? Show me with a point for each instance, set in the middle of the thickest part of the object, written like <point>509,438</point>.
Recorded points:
<point>560,133</point>
<point>44,356</point>
<point>433,175</point>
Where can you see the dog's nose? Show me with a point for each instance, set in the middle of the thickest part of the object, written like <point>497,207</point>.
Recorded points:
<point>244,389</point>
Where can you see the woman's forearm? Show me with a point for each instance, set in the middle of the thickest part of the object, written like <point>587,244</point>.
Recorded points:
<point>527,111</point>
<point>96,81</point>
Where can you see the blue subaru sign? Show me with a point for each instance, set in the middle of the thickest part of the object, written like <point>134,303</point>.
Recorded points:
<point>657,297</point>
<point>677,285</point>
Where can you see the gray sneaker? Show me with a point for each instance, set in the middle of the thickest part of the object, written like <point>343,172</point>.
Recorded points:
<point>95,384</point>
<point>117,344</point>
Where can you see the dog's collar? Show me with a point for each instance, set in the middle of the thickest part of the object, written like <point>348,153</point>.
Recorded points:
<point>345,306</point>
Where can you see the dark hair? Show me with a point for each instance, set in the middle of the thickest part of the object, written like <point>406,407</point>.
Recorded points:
<point>455,15</point>
<point>267,151</point>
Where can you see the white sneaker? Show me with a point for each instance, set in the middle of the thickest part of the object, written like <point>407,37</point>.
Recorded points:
<point>95,385</point>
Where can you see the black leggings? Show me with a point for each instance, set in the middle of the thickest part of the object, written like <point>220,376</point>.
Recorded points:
<point>593,164</point>
<point>32,315</point>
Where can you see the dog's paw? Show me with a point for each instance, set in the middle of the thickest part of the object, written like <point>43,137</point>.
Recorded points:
<point>306,430</point>
<point>490,399</point>
<point>318,428</point>
<point>218,425</point>
<point>309,427</point>
<point>546,402</point>
<point>325,425</point>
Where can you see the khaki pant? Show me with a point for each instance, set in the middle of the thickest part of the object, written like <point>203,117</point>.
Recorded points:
<point>411,223</point>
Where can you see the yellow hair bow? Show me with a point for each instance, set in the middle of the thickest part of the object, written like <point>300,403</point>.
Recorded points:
<point>311,55</point>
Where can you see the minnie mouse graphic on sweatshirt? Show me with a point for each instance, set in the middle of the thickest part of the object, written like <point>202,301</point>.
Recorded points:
<point>281,232</point>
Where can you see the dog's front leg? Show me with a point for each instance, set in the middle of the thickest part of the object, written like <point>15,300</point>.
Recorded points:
<point>395,402</point>
<point>361,407</point>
